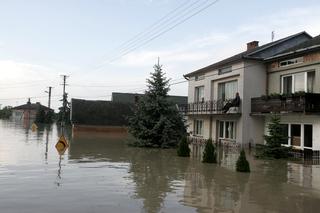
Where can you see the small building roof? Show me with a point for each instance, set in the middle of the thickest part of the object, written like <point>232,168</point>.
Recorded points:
<point>31,106</point>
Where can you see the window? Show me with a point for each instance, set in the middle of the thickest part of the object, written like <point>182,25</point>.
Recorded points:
<point>225,70</point>
<point>227,90</point>
<point>308,135</point>
<point>290,62</point>
<point>198,127</point>
<point>227,130</point>
<point>303,81</point>
<point>310,81</point>
<point>199,77</point>
<point>285,133</point>
<point>296,134</point>
<point>199,94</point>
<point>287,84</point>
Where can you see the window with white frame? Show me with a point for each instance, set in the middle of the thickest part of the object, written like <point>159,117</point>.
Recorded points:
<point>297,82</point>
<point>299,135</point>
<point>199,94</point>
<point>227,130</point>
<point>227,90</point>
<point>198,127</point>
<point>290,62</point>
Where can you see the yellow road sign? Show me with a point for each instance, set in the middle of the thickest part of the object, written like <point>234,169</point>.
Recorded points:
<point>34,127</point>
<point>62,145</point>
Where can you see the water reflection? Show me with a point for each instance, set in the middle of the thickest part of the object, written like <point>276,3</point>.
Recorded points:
<point>100,173</point>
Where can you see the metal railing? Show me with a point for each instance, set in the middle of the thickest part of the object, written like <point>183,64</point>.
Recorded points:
<point>303,103</point>
<point>207,107</point>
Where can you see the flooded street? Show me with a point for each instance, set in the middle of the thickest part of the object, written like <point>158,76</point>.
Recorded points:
<point>102,174</point>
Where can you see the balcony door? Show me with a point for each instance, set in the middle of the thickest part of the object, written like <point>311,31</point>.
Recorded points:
<point>199,94</point>
<point>227,90</point>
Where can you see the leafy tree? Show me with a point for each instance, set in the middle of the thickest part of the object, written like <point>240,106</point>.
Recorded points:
<point>273,147</point>
<point>209,153</point>
<point>156,122</point>
<point>64,111</point>
<point>242,163</point>
<point>41,115</point>
<point>183,148</point>
<point>44,117</point>
<point>6,112</point>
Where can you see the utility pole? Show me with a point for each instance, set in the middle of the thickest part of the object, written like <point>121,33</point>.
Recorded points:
<point>49,92</point>
<point>64,100</point>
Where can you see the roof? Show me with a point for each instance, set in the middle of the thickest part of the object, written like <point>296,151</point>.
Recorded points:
<point>251,54</point>
<point>31,106</point>
<point>131,98</point>
<point>307,46</point>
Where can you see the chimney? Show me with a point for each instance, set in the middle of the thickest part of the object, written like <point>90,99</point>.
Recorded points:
<point>253,44</point>
<point>29,102</point>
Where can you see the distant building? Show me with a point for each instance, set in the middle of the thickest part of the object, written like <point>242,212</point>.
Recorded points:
<point>133,97</point>
<point>28,111</point>
<point>89,114</point>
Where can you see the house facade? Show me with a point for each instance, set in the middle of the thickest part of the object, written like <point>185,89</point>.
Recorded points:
<point>293,89</point>
<point>28,111</point>
<point>212,87</point>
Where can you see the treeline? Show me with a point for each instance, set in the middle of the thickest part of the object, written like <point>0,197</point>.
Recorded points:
<point>6,112</point>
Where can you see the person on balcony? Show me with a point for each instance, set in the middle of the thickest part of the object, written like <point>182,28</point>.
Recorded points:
<point>234,103</point>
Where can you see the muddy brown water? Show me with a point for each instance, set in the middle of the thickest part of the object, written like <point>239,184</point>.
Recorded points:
<point>100,173</point>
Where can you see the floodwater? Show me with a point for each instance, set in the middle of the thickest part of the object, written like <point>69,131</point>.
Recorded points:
<point>99,173</point>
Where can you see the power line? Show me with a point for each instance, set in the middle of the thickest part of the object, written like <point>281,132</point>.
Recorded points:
<point>158,34</point>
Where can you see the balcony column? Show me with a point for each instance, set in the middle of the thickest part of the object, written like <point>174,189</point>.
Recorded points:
<point>210,127</point>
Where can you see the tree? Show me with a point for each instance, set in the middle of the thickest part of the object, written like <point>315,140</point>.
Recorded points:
<point>276,137</point>
<point>209,154</point>
<point>242,163</point>
<point>183,148</point>
<point>41,115</point>
<point>6,112</point>
<point>156,122</point>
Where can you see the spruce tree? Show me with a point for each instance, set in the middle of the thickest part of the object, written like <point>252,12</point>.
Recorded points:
<point>273,147</point>
<point>183,148</point>
<point>156,122</point>
<point>242,163</point>
<point>209,154</point>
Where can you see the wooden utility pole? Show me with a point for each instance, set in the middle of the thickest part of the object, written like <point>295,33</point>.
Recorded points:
<point>49,99</point>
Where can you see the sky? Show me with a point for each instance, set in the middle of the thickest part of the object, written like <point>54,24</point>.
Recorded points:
<point>109,46</point>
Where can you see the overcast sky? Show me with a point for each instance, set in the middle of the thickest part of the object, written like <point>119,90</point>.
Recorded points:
<point>42,39</point>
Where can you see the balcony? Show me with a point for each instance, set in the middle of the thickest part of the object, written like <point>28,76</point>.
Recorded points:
<point>307,103</point>
<point>207,108</point>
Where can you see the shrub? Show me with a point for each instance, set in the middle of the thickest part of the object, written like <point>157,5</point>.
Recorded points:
<point>242,163</point>
<point>209,154</point>
<point>183,148</point>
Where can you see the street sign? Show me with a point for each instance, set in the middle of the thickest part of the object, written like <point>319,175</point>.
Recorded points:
<point>62,145</point>
<point>34,127</point>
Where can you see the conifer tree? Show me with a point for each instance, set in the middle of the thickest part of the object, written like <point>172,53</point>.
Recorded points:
<point>183,148</point>
<point>209,154</point>
<point>273,147</point>
<point>242,163</point>
<point>156,122</point>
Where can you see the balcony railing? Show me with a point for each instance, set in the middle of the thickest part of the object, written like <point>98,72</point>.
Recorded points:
<point>296,103</point>
<point>208,107</point>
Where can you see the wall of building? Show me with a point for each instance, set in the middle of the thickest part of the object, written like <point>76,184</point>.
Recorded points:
<point>211,80</point>
<point>254,85</point>
<point>301,119</point>
<point>310,62</point>
<point>210,83</point>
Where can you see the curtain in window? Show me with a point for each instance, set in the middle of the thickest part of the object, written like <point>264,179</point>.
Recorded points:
<point>299,82</point>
